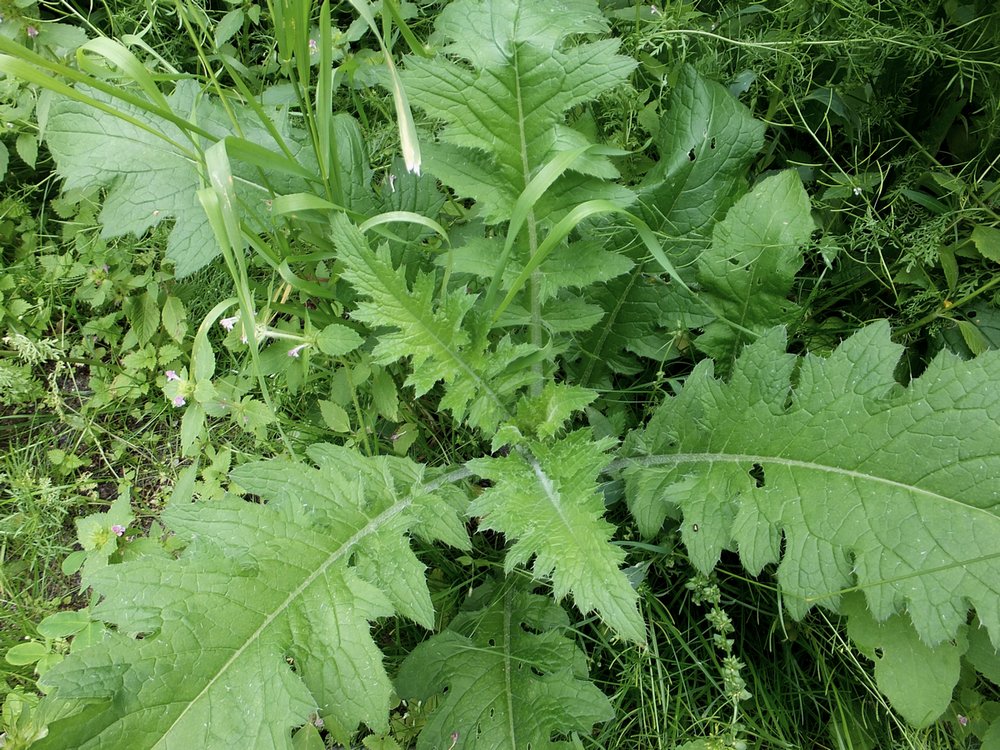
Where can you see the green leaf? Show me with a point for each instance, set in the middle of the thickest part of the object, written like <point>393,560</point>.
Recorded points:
<point>228,26</point>
<point>152,173</point>
<point>644,317</point>
<point>337,340</point>
<point>174,319</point>
<point>706,140</point>
<point>308,738</point>
<point>682,198</point>
<point>982,654</point>
<point>4,160</point>
<point>26,653</point>
<point>192,424</point>
<point>143,315</point>
<point>27,148</point>
<point>987,241</point>
<point>512,678</point>
<point>504,115</point>
<point>546,413</point>
<point>823,477</point>
<point>63,624</point>
<point>434,335</point>
<point>748,271</point>
<point>547,502</point>
<point>918,680</point>
<point>335,417</point>
<point>263,621</point>
<point>384,394</point>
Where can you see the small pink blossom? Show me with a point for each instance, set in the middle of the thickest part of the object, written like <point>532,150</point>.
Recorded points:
<point>172,375</point>
<point>118,529</point>
<point>313,46</point>
<point>963,720</point>
<point>228,323</point>
<point>296,350</point>
<point>179,401</point>
<point>31,31</point>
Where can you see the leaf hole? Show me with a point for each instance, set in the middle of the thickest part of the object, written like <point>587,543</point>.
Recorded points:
<point>492,642</point>
<point>711,143</point>
<point>692,155</point>
<point>757,472</point>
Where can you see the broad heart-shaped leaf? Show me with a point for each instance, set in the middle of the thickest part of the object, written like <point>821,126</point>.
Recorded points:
<point>748,271</point>
<point>505,109</point>
<point>683,198</point>
<point>916,678</point>
<point>847,478</point>
<point>264,618</point>
<point>546,500</point>
<point>148,179</point>
<point>513,678</point>
<point>706,140</point>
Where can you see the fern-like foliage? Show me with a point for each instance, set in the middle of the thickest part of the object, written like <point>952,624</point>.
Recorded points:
<point>544,495</point>
<point>846,478</point>
<point>263,621</point>
<point>437,335</point>
<point>512,677</point>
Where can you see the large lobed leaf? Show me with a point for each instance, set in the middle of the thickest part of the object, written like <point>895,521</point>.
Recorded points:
<point>512,677</point>
<point>505,104</point>
<point>152,170</point>
<point>848,479</point>
<point>545,498</point>
<point>263,622</point>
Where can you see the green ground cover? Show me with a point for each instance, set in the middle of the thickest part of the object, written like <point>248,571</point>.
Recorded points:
<point>500,374</point>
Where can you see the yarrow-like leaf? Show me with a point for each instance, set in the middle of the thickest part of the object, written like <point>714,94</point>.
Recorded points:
<point>545,498</point>
<point>434,334</point>
<point>263,621</point>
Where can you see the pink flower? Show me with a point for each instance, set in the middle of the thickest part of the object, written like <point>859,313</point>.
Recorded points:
<point>228,323</point>
<point>171,375</point>
<point>118,529</point>
<point>313,46</point>
<point>963,720</point>
<point>296,350</point>
<point>31,31</point>
<point>179,401</point>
